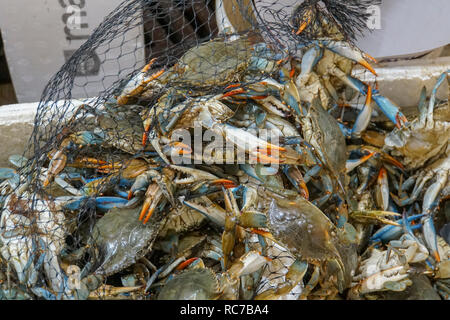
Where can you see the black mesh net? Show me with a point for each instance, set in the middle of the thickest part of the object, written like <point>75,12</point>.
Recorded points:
<point>112,206</point>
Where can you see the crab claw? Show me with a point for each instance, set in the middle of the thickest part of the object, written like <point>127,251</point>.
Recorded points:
<point>303,26</point>
<point>296,178</point>
<point>233,92</point>
<point>227,184</point>
<point>391,110</point>
<point>376,216</point>
<point>429,234</point>
<point>56,165</point>
<point>382,190</point>
<point>363,119</point>
<point>250,262</point>
<point>353,163</point>
<point>153,196</point>
<point>145,138</point>
<point>186,263</point>
<point>195,175</point>
<point>344,49</point>
<point>294,276</point>
<point>391,232</point>
<point>208,208</point>
<point>138,84</point>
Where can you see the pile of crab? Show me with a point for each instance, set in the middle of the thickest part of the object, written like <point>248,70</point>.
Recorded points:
<point>124,206</point>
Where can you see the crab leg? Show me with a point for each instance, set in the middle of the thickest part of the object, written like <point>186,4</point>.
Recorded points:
<point>363,119</point>
<point>431,104</point>
<point>293,277</point>
<point>382,190</point>
<point>346,50</point>
<point>429,198</point>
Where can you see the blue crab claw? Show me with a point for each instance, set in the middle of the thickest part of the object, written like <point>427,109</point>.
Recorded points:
<point>108,203</point>
<point>390,232</point>
<point>350,52</point>
<point>250,170</point>
<point>101,203</point>
<point>310,59</point>
<point>327,190</point>
<point>391,110</point>
<point>429,235</point>
<point>345,131</point>
<point>429,111</point>
<point>208,208</point>
<point>296,178</point>
<point>353,163</point>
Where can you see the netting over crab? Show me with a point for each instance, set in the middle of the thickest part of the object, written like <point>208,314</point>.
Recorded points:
<point>114,200</point>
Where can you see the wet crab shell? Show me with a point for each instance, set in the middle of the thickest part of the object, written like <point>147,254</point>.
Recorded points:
<point>303,229</point>
<point>122,239</point>
<point>330,138</point>
<point>193,284</point>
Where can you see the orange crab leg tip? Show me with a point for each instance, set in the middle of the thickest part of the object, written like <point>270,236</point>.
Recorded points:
<point>156,75</point>
<point>305,190</point>
<point>144,210</point>
<point>226,183</point>
<point>366,65</point>
<point>382,173</point>
<point>396,163</point>
<point>399,120</point>
<point>292,73</point>
<point>233,92</point>
<point>144,139</point>
<point>130,195</point>
<point>186,263</point>
<point>149,215</point>
<point>370,155</point>
<point>148,65</point>
<point>302,27</point>
<point>263,233</point>
<point>368,96</point>
<point>436,256</point>
<point>236,85</point>
<point>368,56</point>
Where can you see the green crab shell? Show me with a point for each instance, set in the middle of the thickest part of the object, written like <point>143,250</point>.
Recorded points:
<point>331,140</point>
<point>303,229</point>
<point>122,239</point>
<point>213,63</point>
<point>193,284</point>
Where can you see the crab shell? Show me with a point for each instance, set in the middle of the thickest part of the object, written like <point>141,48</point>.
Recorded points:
<point>308,234</point>
<point>417,143</point>
<point>192,284</point>
<point>325,135</point>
